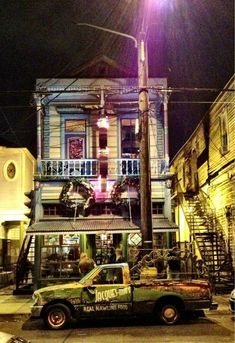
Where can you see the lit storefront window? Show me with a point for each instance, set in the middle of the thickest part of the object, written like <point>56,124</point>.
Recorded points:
<point>60,256</point>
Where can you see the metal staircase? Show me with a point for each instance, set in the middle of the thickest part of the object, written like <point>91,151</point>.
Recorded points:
<point>210,238</point>
<point>24,268</point>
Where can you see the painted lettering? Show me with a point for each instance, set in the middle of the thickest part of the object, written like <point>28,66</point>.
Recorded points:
<point>110,307</point>
<point>88,309</point>
<point>108,294</point>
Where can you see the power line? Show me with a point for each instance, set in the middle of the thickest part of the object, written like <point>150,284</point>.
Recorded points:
<point>10,128</point>
<point>170,102</point>
<point>85,89</point>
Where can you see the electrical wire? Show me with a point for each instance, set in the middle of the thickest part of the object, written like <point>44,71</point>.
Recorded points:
<point>83,89</point>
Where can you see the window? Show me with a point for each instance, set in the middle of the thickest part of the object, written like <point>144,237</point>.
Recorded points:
<point>59,256</point>
<point>109,276</point>
<point>103,243</point>
<point>52,210</point>
<point>157,207</point>
<point>129,141</point>
<point>223,132</point>
<point>75,139</point>
<point>57,210</point>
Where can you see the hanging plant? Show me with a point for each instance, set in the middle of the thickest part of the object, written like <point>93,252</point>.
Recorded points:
<point>122,186</point>
<point>76,188</point>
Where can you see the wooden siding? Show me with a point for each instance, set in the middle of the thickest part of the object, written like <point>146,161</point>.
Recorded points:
<point>46,137</point>
<point>188,156</point>
<point>50,192</point>
<point>158,190</point>
<point>217,159</point>
<point>203,174</point>
<point>55,134</point>
<point>112,141</point>
<point>93,136</point>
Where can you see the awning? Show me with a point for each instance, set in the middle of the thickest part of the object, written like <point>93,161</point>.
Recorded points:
<point>164,225</point>
<point>98,226</point>
<point>85,225</point>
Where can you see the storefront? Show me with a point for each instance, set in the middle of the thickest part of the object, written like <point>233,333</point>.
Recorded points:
<point>58,245</point>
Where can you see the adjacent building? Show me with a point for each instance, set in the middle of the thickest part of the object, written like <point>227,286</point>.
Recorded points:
<point>204,187</point>
<point>17,166</point>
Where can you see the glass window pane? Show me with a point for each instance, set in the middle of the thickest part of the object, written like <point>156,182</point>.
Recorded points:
<point>129,141</point>
<point>51,240</point>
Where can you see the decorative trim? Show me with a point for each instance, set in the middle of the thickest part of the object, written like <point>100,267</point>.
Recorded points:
<point>6,170</point>
<point>74,190</point>
<point>121,186</point>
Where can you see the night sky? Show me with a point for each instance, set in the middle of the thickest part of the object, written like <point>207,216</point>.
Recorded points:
<point>190,42</point>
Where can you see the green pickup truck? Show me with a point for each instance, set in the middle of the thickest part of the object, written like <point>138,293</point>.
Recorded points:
<point>108,291</point>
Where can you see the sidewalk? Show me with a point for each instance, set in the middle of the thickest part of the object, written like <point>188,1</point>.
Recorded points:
<point>18,306</point>
<point>14,306</point>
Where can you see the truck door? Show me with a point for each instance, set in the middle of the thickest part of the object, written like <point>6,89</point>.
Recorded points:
<point>107,295</point>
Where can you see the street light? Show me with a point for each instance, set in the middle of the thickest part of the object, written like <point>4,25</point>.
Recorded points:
<point>145,176</point>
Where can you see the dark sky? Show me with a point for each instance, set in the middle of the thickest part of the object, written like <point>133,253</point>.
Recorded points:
<point>191,42</point>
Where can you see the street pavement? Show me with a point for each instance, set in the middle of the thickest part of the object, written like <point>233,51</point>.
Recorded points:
<point>14,306</point>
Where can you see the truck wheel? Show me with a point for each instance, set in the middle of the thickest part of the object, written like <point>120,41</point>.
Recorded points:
<point>57,316</point>
<point>169,314</point>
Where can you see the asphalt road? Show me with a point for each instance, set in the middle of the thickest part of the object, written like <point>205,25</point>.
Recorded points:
<point>215,327</point>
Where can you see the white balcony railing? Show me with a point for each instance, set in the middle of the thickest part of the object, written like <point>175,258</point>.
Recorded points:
<point>131,167</point>
<point>66,168</point>
<point>90,167</point>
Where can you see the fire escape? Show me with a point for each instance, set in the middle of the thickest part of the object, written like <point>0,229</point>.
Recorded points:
<point>209,238</point>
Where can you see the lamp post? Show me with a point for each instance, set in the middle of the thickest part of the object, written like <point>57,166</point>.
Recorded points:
<point>145,175</point>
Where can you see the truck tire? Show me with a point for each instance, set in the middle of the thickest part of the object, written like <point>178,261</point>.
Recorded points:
<point>56,316</point>
<point>169,314</point>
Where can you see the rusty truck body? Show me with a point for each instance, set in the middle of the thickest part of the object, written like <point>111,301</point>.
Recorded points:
<point>108,290</point>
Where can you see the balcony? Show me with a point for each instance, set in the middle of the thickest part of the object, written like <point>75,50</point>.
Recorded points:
<point>64,169</point>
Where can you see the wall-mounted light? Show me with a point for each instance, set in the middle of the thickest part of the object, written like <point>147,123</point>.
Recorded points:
<point>103,122</point>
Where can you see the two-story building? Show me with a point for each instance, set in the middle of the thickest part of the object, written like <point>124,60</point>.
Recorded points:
<point>17,166</point>
<point>204,187</point>
<point>87,185</point>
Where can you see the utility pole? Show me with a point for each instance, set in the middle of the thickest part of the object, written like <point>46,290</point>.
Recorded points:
<point>145,173</point>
